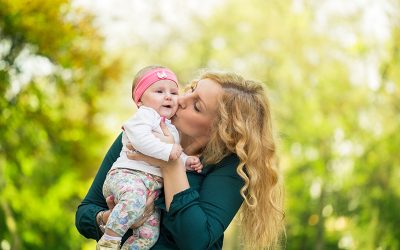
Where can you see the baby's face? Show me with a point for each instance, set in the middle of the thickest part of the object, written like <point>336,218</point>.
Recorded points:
<point>161,96</point>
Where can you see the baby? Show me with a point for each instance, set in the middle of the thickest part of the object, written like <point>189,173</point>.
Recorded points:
<point>155,92</point>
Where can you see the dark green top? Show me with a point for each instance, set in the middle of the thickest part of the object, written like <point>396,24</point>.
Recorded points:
<point>198,216</point>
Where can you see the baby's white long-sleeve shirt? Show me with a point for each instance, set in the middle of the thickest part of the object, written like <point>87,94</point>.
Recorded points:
<point>139,130</point>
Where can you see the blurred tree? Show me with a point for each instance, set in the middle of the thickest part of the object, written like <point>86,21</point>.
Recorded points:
<point>334,92</point>
<point>53,72</point>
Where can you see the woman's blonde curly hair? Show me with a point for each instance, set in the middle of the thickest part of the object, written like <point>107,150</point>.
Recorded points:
<point>243,126</point>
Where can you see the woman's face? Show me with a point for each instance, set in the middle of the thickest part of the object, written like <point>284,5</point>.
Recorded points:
<point>197,109</point>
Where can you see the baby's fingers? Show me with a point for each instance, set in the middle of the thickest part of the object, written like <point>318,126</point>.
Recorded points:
<point>198,167</point>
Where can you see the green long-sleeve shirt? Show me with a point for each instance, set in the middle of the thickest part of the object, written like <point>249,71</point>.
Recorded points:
<point>198,216</point>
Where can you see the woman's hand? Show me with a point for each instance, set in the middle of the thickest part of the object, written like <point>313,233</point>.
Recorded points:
<point>148,211</point>
<point>110,204</point>
<point>167,137</point>
<point>133,154</point>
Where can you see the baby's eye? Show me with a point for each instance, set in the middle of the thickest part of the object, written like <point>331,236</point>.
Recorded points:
<point>174,93</point>
<point>159,91</point>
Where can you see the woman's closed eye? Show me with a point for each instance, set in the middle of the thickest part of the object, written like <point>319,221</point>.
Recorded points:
<point>195,106</point>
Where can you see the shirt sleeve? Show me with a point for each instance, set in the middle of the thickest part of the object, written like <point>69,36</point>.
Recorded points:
<point>94,202</point>
<point>139,130</point>
<point>183,157</point>
<point>207,212</point>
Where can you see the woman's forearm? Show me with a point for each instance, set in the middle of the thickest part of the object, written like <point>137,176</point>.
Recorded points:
<point>175,180</point>
<point>198,216</point>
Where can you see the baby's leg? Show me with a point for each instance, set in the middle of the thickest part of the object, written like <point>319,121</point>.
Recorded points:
<point>130,194</point>
<point>146,235</point>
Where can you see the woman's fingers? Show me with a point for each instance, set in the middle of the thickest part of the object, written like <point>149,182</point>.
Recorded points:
<point>130,146</point>
<point>152,197</point>
<point>139,222</point>
<point>134,155</point>
<point>164,128</point>
<point>137,156</point>
<point>148,211</point>
<point>166,132</point>
<point>110,202</point>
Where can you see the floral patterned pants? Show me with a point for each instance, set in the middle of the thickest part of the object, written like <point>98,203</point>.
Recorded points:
<point>130,189</point>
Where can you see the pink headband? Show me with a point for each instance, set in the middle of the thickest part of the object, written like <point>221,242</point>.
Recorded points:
<point>151,77</point>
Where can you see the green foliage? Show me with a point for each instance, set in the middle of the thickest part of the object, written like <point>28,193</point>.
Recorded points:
<point>338,128</point>
<point>52,72</point>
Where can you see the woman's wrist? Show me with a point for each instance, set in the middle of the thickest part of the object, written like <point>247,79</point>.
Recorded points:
<point>100,220</point>
<point>172,166</point>
<point>175,180</point>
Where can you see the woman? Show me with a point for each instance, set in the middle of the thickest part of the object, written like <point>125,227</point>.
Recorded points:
<point>226,119</point>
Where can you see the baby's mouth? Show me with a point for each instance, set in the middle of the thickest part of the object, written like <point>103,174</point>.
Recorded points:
<point>167,106</point>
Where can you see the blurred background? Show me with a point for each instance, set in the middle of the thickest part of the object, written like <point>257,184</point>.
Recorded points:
<point>331,67</point>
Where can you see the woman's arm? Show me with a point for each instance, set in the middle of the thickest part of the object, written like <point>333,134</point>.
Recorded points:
<point>198,219</point>
<point>94,202</point>
<point>175,180</point>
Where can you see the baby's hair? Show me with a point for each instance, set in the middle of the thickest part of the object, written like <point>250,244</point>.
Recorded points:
<point>141,73</point>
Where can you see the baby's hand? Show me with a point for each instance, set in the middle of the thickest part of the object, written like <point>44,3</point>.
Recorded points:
<point>193,163</point>
<point>175,152</point>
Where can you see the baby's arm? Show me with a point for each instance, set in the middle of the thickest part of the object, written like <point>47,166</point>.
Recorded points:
<point>192,163</point>
<point>139,130</point>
